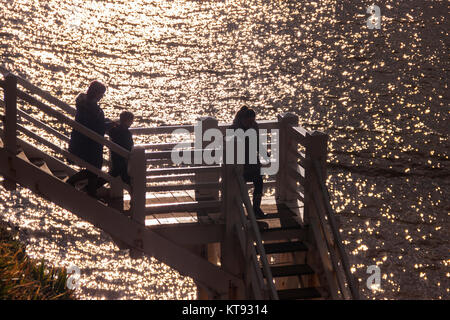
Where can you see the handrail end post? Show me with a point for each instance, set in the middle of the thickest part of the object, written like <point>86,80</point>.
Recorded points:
<point>286,122</point>
<point>138,175</point>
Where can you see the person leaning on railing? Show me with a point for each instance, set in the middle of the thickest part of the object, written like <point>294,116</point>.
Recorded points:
<point>90,115</point>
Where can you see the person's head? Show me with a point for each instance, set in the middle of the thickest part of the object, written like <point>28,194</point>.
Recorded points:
<point>248,118</point>
<point>96,91</point>
<point>126,119</point>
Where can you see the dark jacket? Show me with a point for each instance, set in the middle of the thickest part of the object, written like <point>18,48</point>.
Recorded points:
<point>123,137</point>
<point>90,115</point>
<point>249,168</point>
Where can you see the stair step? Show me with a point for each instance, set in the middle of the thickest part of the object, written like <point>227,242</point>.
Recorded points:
<point>269,216</point>
<point>39,162</point>
<point>284,247</point>
<point>291,270</point>
<point>60,174</point>
<point>299,293</point>
<point>285,233</point>
<point>212,206</point>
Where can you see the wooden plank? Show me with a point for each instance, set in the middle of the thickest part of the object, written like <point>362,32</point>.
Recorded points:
<point>43,126</point>
<point>164,146</point>
<point>191,233</point>
<point>164,218</point>
<point>291,270</point>
<point>183,170</point>
<point>183,207</point>
<point>170,178</point>
<point>183,196</point>
<point>283,247</point>
<point>323,253</point>
<point>161,129</point>
<point>43,94</point>
<point>299,293</point>
<point>187,186</point>
<point>72,157</point>
<point>10,119</point>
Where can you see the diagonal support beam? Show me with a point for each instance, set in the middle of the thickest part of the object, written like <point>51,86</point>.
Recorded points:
<point>121,227</point>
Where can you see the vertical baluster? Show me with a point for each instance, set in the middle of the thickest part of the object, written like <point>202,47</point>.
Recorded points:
<point>10,125</point>
<point>138,174</point>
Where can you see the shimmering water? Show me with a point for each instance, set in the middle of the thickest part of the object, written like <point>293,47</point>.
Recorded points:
<point>381,95</point>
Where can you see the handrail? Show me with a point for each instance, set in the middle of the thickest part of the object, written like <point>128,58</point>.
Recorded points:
<point>168,129</point>
<point>254,225</point>
<point>165,146</point>
<point>337,238</point>
<point>259,292</point>
<point>181,170</point>
<point>299,134</point>
<point>43,94</point>
<point>72,123</point>
<point>72,157</point>
<point>160,129</point>
<point>41,125</point>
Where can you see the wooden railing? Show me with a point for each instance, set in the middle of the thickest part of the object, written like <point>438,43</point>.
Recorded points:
<point>217,186</point>
<point>16,120</point>
<point>252,244</point>
<point>302,173</point>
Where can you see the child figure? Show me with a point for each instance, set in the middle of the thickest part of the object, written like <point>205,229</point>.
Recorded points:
<point>122,136</point>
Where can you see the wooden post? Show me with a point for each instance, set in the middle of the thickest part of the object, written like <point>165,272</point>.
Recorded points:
<point>138,174</point>
<point>115,192</point>
<point>316,149</point>
<point>10,124</point>
<point>202,177</point>
<point>232,257</point>
<point>115,195</point>
<point>209,251</point>
<point>285,182</point>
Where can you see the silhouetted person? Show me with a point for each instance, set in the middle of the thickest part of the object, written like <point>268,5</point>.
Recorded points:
<point>122,136</point>
<point>90,115</point>
<point>245,119</point>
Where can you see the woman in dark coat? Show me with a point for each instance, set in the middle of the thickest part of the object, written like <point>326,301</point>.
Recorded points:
<point>90,115</point>
<point>245,120</point>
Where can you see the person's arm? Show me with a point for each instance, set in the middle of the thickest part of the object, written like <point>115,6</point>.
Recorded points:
<point>109,124</point>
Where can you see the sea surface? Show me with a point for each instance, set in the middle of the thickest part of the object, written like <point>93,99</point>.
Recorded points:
<point>380,94</point>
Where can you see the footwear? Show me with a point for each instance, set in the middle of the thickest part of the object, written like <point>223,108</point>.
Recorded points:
<point>259,213</point>
<point>257,206</point>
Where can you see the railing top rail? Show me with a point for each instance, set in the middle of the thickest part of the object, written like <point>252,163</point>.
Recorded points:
<point>300,134</point>
<point>72,123</point>
<point>168,129</point>
<point>335,231</point>
<point>42,93</point>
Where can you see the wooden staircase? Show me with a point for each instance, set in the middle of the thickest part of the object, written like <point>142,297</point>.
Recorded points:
<point>198,218</point>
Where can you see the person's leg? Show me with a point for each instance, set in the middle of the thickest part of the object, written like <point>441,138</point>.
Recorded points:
<point>257,196</point>
<point>256,178</point>
<point>92,184</point>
